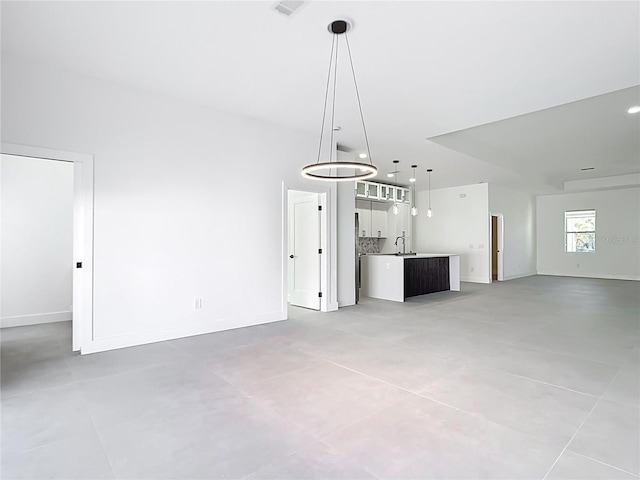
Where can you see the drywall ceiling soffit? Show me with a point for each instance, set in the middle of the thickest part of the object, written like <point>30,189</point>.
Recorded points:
<point>554,144</point>
<point>424,68</point>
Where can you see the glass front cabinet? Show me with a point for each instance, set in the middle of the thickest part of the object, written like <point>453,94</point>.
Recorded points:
<point>381,191</point>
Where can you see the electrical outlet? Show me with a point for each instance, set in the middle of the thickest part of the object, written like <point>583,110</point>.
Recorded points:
<point>577,265</point>
<point>472,269</point>
<point>198,303</point>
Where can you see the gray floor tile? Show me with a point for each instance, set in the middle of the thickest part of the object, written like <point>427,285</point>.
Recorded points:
<point>322,398</point>
<point>572,466</point>
<point>625,387</point>
<point>235,438</point>
<point>316,462</point>
<point>164,410</point>
<point>399,365</point>
<point>418,439</point>
<point>611,435</point>
<point>253,364</point>
<point>85,367</point>
<point>452,344</point>
<point>122,397</point>
<point>612,350</point>
<point>36,419</point>
<point>26,373</point>
<point>566,371</point>
<point>79,457</point>
<point>546,412</point>
<point>219,342</point>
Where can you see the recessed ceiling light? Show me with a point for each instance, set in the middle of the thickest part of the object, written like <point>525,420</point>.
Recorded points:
<point>587,168</point>
<point>634,109</point>
<point>390,175</point>
<point>363,155</point>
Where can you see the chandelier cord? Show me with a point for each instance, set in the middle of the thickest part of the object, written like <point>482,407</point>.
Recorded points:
<point>364,128</point>
<point>326,97</point>
<point>333,102</point>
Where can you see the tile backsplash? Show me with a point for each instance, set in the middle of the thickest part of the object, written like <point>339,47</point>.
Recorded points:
<point>369,245</point>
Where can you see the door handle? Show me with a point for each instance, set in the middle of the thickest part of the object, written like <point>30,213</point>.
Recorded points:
<point>290,256</point>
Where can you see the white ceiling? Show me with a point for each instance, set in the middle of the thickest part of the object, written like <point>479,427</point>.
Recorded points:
<point>425,69</point>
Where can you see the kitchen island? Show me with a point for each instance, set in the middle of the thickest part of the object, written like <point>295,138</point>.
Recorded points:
<point>397,277</point>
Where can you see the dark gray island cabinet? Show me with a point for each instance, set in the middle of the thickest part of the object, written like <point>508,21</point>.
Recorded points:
<point>425,275</point>
<point>391,277</point>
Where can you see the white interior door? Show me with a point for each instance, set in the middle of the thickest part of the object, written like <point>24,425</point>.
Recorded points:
<point>304,245</point>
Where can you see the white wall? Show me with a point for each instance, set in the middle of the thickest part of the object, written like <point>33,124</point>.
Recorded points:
<point>346,244</point>
<point>188,201</point>
<point>519,241</point>
<point>37,241</point>
<point>617,252</point>
<point>460,225</point>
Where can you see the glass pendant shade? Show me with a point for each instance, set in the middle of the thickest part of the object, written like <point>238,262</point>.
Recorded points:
<point>395,210</point>
<point>414,211</point>
<point>429,212</point>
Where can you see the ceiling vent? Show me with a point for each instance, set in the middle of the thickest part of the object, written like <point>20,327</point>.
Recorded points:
<point>289,7</point>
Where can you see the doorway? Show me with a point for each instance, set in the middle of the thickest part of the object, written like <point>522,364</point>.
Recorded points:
<point>304,249</point>
<point>81,257</point>
<point>497,243</point>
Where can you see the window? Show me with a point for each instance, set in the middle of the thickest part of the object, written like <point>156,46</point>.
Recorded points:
<point>580,231</point>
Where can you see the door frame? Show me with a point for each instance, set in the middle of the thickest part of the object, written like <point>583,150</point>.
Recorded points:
<point>293,196</point>
<point>500,223</point>
<point>83,202</point>
<point>328,243</point>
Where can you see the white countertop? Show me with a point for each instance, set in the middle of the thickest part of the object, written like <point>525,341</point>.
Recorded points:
<point>417,255</point>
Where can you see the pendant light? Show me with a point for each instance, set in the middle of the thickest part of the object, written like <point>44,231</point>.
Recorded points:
<point>395,209</point>
<point>429,212</point>
<point>335,171</point>
<point>414,209</point>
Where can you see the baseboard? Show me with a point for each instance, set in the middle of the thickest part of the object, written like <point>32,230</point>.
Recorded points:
<point>333,306</point>
<point>600,276</point>
<point>474,279</point>
<point>34,319</point>
<point>199,328</point>
<point>519,275</point>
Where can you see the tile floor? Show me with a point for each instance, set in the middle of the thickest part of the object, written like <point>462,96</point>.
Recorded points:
<point>531,378</point>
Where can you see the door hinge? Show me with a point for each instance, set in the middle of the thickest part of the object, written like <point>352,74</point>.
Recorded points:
<point>319,208</point>
<point>320,251</point>
<point>319,294</point>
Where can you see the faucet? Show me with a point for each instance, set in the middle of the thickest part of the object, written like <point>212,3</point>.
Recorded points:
<point>403,244</point>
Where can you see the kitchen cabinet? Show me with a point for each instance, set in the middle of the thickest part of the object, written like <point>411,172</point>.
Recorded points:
<point>373,190</point>
<point>372,217</point>
<point>402,195</point>
<point>399,226</point>
<point>426,275</point>
<point>363,208</point>
<point>361,189</point>
<point>379,219</point>
<point>387,192</point>
<point>382,191</point>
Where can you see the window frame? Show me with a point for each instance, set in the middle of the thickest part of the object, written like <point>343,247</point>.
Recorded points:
<point>583,213</point>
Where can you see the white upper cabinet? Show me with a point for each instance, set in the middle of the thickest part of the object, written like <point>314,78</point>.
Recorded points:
<point>372,219</point>
<point>379,219</point>
<point>382,191</point>
<point>362,189</point>
<point>373,190</point>
<point>363,208</point>
<point>387,192</point>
